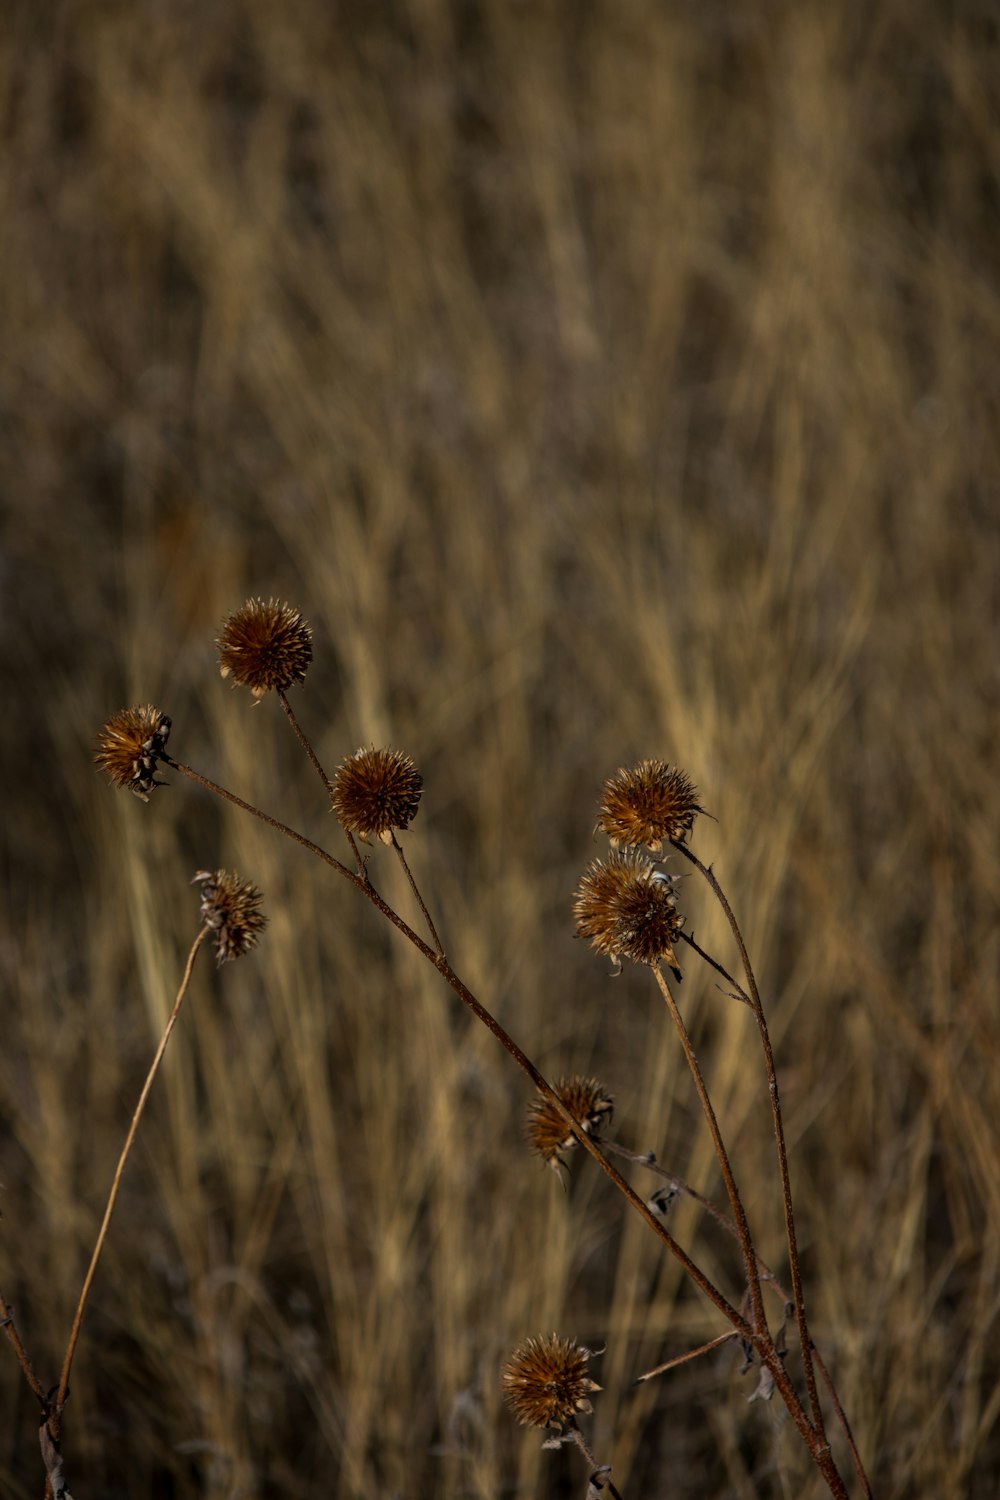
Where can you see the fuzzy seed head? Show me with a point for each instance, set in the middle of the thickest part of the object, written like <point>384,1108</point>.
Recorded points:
<point>626,908</point>
<point>650,804</point>
<point>547,1133</point>
<point>230,907</point>
<point>375,791</point>
<point>264,646</point>
<point>545,1381</point>
<point>129,745</point>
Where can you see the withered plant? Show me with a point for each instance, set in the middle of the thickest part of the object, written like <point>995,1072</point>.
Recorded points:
<point>627,907</point>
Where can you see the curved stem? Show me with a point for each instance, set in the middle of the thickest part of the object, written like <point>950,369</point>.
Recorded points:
<point>420,900</point>
<point>779,1136</point>
<point>732,1191</point>
<point>595,1467</point>
<point>324,778</point>
<point>74,1336</point>
<point>10,1328</point>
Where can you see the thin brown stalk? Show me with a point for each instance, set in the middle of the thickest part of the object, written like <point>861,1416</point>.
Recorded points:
<point>10,1329</point>
<point>420,900</point>
<point>113,1195</point>
<point>779,1135</point>
<point>317,766</point>
<point>732,1191</point>
<point>595,1468</point>
<point>682,1359</point>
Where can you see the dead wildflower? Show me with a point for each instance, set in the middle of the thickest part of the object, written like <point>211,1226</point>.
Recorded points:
<point>625,907</point>
<point>265,646</point>
<point>129,746</point>
<point>229,906</point>
<point>375,791</point>
<point>546,1130</point>
<point>545,1381</point>
<point>650,804</point>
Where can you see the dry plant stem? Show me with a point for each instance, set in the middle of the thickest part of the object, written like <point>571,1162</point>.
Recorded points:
<point>682,1359</point>
<point>60,1400</point>
<point>420,900</point>
<point>732,1192</point>
<point>10,1328</point>
<point>581,1443</point>
<point>324,778</point>
<point>761,1343</point>
<point>779,1135</point>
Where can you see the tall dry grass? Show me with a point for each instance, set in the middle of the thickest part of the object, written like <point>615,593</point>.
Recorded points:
<point>599,381</point>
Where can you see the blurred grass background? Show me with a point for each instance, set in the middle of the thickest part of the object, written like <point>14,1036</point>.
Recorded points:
<point>600,380</point>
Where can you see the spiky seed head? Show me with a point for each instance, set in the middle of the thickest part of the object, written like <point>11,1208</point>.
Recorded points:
<point>375,791</point>
<point>264,646</point>
<point>230,907</point>
<point>546,1130</point>
<point>650,804</point>
<point>129,746</point>
<point>545,1381</point>
<point>625,907</point>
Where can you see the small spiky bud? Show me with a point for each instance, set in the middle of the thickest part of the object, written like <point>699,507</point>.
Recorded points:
<point>546,1129</point>
<point>375,791</point>
<point>545,1381</point>
<point>264,646</point>
<point>649,804</point>
<point>625,906</point>
<point>229,906</point>
<point>129,746</point>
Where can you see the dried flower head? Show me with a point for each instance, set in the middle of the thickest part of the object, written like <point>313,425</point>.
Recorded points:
<point>229,906</point>
<point>130,744</point>
<point>265,646</point>
<point>375,791</point>
<point>546,1130</point>
<point>545,1381</point>
<point>626,907</point>
<point>649,804</point>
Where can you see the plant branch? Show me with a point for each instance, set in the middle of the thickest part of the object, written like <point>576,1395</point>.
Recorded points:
<point>420,900</point>
<point>681,1359</point>
<point>324,778</point>
<point>10,1328</point>
<point>779,1134</point>
<point>732,1191</point>
<point>60,1400</point>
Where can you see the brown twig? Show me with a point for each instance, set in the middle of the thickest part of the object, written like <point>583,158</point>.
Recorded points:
<point>60,1401</point>
<point>759,1317</point>
<point>314,758</point>
<point>595,1468</point>
<point>10,1329</point>
<point>779,1135</point>
<point>681,1359</point>
<point>420,900</point>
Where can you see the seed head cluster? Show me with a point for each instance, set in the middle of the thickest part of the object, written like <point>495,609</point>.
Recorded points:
<point>625,907</point>
<point>650,804</point>
<point>375,791</point>
<point>265,646</point>
<point>129,746</point>
<point>547,1131</point>
<point>230,907</point>
<point>545,1381</point>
